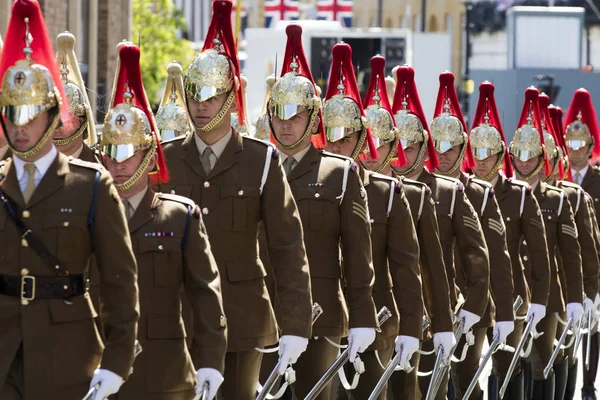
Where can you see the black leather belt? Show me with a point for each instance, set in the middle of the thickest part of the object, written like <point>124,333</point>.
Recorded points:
<point>43,287</point>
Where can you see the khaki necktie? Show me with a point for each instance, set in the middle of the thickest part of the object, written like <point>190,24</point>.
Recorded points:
<point>30,187</point>
<point>289,164</point>
<point>128,208</point>
<point>206,160</point>
<point>577,178</point>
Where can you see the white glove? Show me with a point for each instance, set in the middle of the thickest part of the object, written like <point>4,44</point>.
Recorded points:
<point>470,319</point>
<point>588,305</point>
<point>575,311</point>
<point>408,345</point>
<point>502,329</point>
<point>538,312</point>
<point>446,341</point>
<point>109,382</point>
<point>290,348</point>
<point>209,376</point>
<point>358,341</point>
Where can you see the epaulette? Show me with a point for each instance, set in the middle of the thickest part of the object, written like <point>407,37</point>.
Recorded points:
<point>562,194</point>
<point>421,185</point>
<point>274,151</point>
<point>172,140</point>
<point>569,185</point>
<point>86,164</point>
<point>179,199</point>
<point>459,185</point>
<point>486,185</point>
<point>395,188</point>
<point>341,157</point>
<point>522,185</point>
<point>580,193</point>
<point>557,189</point>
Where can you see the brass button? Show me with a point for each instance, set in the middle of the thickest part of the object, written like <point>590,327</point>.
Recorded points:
<point>24,272</point>
<point>24,302</point>
<point>223,321</point>
<point>57,267</point>
<point>241,193</point>
<point>524,242</point>
<point>205,211</point>
<point>24,243</point>
<point>525,258</point>
<point>172,191</point>
<point>595,200</point>
<point>25,214</point>
<point>207,184</point>
<point>317,195</point>
<point>65,287</point>
<point>508,219</point>
<point>549,217</point>
<point>160,246</point>
<point>66,223</point>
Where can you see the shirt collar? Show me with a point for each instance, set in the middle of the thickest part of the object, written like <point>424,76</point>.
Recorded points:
<point>582,172</point>
<point>136,199</point>
<point>298,156</point>
<point>78,152</point>
<point>42,164</point>
<point>217,148</point>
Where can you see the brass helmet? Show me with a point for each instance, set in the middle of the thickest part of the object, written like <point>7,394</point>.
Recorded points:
<point>295,91</point>
<point>29,87</point>
<point>235,122</point>
<point>216,70</point>
<point>581,124</point>
<point>378,112</point>
<point>172,119</point>
<point>410,119</point>
<point>528,141</point>
<point>552,147</point>
<point>78,102</point>
<point>343,112</point>
<point>263,128</point>
<point>129,126</point>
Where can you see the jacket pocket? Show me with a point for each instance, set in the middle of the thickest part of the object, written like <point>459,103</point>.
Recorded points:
<point>241,271</point>
<point>165,254</point>
<point>240,206</point>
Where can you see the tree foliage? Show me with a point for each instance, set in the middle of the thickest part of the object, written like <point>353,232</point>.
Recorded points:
<point>157,23</point>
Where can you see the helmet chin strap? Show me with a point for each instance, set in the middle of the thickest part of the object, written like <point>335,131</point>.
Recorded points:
<point>123,187</point>
<point>456,165</point>
<point>41,143</point>
<point>307,131</point>
<point>418,161</point>
<point>359,145</point>
<point>537,169</point>
<point>73,137</point>
<point>492,174</point>
<point>220,115</point>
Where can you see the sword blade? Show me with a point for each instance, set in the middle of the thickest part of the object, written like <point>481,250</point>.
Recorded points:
<point>493,346</point>
<point>385,377</point>
<point>441,367</point>
<point>588,341</point>
<point>516,356</point>
<point>557,349</point>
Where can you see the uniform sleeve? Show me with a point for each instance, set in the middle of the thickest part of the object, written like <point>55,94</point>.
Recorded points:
<point>474,255</point>
<point>287,255</point>
<point>596,230</point>
<point>585,221</point>
<point>403,258</point>
<point>569,249</point>
<point>356,252</point>
<point>118,279</point>
<point>203,289</point>
<point>501,280</point>
<point>532,226</point>
<point>433,269</point>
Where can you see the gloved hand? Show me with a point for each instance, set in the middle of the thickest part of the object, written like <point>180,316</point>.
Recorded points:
<point>446,341</point>
<point>110,383</point>
<point>588,304</point>
<point>290,348</point>
<point>409,345</point>
<point>502,329</point>
<point>470,319</point>
<point>209,376</point>
<point>358,341</point>
<point>575,311</point>
<point>537,312</point>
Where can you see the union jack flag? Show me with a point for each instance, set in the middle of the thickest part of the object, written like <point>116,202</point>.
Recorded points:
<point>280,10</point>
<point>336,10</point>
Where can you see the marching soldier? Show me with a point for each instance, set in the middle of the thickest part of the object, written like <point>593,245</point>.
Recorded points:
<point>583,142</point>
<point>240,186</point>
<point>529,158</point>
<point>55,213</point>
<point>172,119</point>
<point>69,138</point>
<point>410,120</point>
<point>453,148</point>
<point>172,249</point>
<point>4,148</point>
<point>394,242</point>
<point>330,196</point>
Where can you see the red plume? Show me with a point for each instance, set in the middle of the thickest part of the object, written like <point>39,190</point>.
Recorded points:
<point>556,114</point>
<point>342,68</point>
<point>544,103</point>
<point>220,28</point>
<point>406,89</point>
<point>487,102</point>
<point>531,102</point>
<point>295,51</point>
<point>378,81</point>
<point>582,103</point>
<point>130,76</point>
<point>43,54</point>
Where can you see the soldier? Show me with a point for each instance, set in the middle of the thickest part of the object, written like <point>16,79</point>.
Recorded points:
<point>395,246</point>
<point>69,138</point>
<point>172,118</point>
<point>583,142</point>
<point>55,213</point>
<point>4,148</point>
<point>453,148</point>
<point>239,184</point>
<point>263,129</point>
<point>410,121</point>
<point>528,158</point>
<point>168,233</point>
<point>459,226</point>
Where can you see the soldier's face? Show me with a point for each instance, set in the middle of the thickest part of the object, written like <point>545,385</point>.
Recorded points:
<point>382,153</point>
<point>344,146</point>
<point>449,158</point>
<point>412,153</point>
<point>485,166</point>
<point>23,138</point>
<point>525,168</point>
<point>66,130</point>
<point>202,112</point>
<point>289,131</point>
<point>579,157</point>
<point>121,172</point>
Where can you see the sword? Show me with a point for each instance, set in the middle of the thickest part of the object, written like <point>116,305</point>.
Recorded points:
<point>137,349</point>
<point>290,376</point>
<point>383,315</point>
<point>562,339</point>
<point>203,395</point>
<point>492,349</point>
<point>588,340</point>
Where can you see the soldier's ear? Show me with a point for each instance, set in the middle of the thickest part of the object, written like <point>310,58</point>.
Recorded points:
<point>315,125</point>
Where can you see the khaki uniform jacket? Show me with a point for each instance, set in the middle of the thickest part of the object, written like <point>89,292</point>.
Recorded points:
<point>7,155</point>
<point>524,224</point>
<point>233,205</point>
<point>585,220</point>
<point>173,253</point>
<point>436,292</point>
<point>459,226</point>
<point>561,236</point>
<point>61,344</point>
<point>90,155</point>
<point>481,195</point>
<point>591,185</point>
<point>395,258</point>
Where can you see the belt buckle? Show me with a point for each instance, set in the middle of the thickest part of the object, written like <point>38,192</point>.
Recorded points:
<point>26,299</point>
